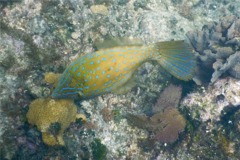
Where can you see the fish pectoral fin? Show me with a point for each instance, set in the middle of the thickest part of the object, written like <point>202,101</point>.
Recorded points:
<point>80,93</point>
<point>126,87</point>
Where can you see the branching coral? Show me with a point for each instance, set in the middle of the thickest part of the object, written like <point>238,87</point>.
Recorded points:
<point>217,46</point>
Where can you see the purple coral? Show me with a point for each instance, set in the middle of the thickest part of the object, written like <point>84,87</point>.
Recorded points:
<point>172,123</point>
<point>166,122</point>
<point>217,47</point>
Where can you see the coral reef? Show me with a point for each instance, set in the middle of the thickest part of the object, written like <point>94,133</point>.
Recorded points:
<point>209,103</point>
<point>52,117</point>
<point>44,36</point>
<point>217,46</point>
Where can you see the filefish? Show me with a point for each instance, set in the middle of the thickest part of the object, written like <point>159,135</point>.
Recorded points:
<point>111,69</point>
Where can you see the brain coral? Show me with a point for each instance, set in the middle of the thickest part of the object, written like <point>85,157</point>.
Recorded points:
<point>52,117</point>
<point>217,46</point>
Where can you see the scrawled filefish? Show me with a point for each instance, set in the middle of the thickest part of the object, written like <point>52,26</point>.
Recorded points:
<point>111,69</point>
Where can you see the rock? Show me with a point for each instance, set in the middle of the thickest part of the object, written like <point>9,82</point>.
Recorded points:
<point>99,9</point>
<point>75,35</point>
<point>207,104</point>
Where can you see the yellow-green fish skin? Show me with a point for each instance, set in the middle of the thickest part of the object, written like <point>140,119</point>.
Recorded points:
<point>108,69</point>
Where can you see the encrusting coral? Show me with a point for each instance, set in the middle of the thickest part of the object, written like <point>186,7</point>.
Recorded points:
<point>51,78</point>
<point>52,116</point>
<point>166,122</point>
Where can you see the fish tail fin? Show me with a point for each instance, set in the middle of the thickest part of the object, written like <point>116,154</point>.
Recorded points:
<point>176,57</point>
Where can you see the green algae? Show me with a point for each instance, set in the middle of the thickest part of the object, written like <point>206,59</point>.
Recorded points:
<point>99,151</point>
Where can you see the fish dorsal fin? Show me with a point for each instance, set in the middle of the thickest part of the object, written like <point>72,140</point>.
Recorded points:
<point>118,41</point>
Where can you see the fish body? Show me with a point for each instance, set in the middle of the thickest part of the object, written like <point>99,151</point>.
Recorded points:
<point>108,70</point>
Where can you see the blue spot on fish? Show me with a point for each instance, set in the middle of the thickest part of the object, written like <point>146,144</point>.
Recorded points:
<point>107,89</point>
<point>68,89</point>
<point>74,70</point>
